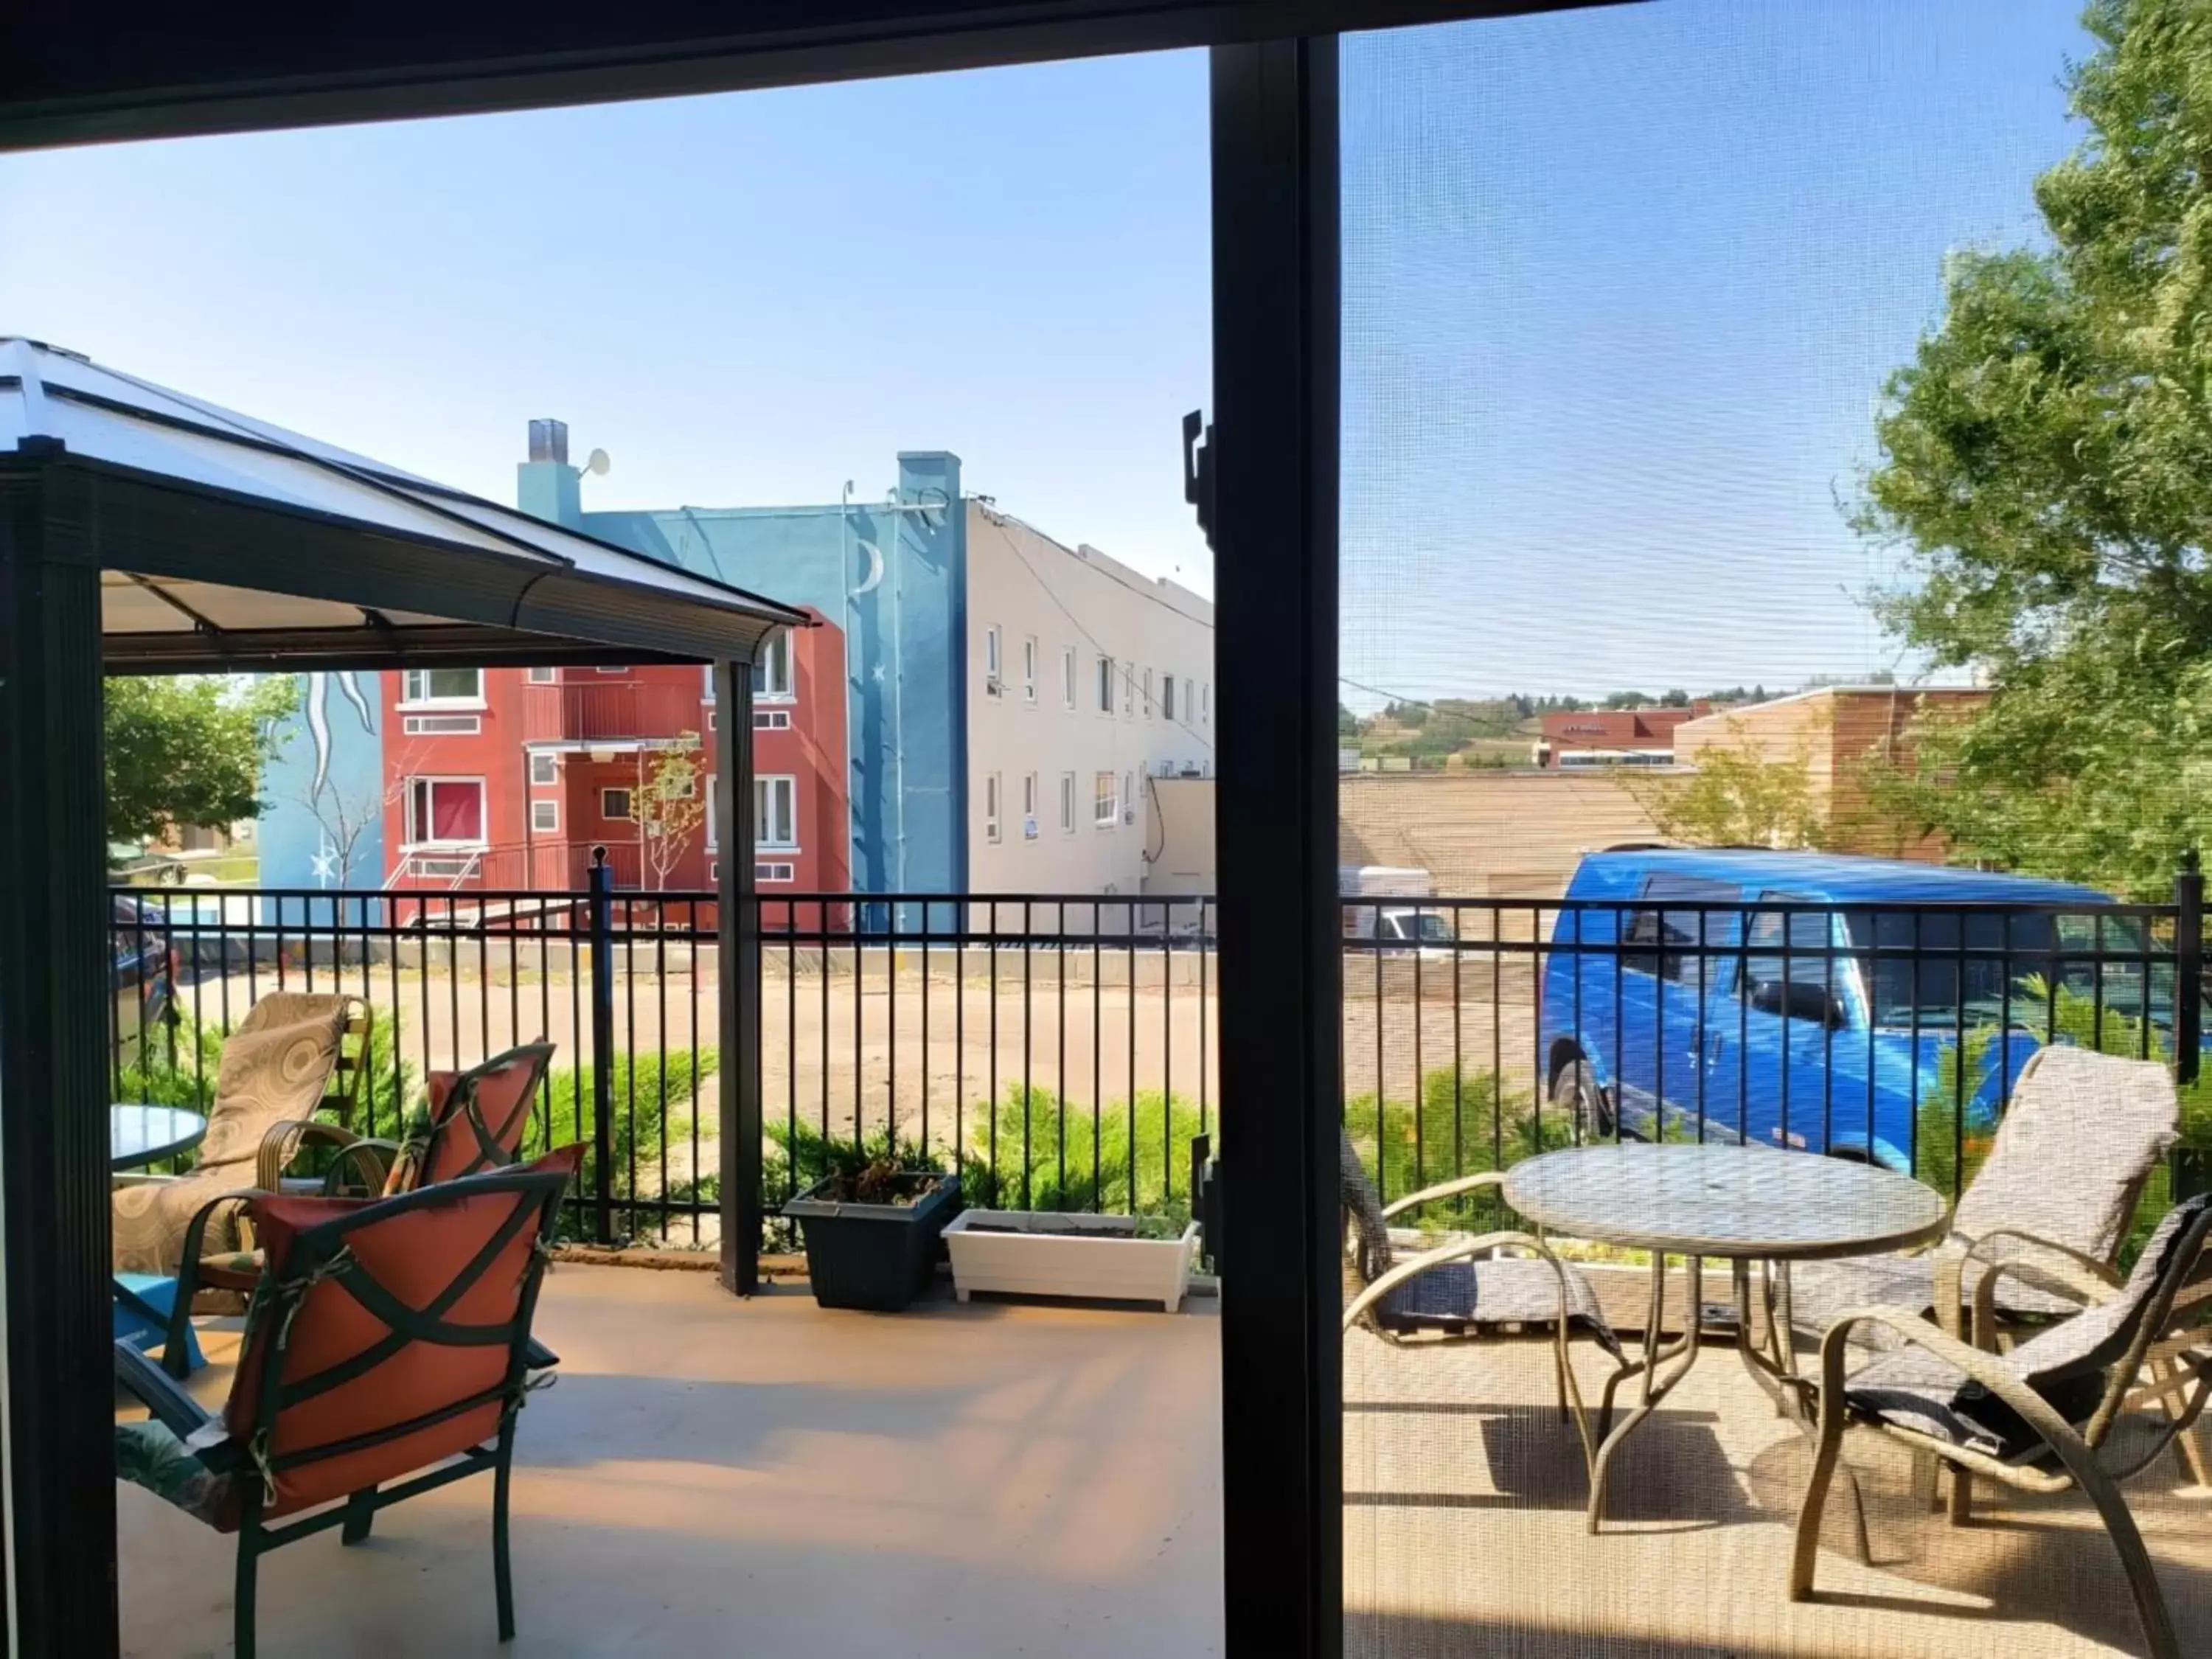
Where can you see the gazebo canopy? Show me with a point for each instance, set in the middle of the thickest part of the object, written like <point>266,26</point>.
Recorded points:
<point>226,542</point>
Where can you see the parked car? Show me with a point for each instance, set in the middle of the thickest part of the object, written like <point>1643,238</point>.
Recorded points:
<point>142,976</point>
<point>1399,918</point>
<point>1822,1027</point>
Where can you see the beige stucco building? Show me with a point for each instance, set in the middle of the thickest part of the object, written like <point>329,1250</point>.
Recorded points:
<point>1089,682</point>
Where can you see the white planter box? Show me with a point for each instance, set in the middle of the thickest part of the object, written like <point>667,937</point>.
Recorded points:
<point>1033,1253</point>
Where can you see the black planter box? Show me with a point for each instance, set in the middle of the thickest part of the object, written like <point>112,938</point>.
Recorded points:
<point>876,1256</point>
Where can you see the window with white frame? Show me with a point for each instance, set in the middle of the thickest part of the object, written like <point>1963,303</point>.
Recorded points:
<point>445,811</point>
<point>1129,796</point>
<point>1105,688</point>
<point>544,816</point>
<point>1189,698</point>
<point>1029,670</point>
<point>772,673</point>
<point>991,684</point>
<point>706,681</point>
<point>1148,694</point>
<point>1067,803</point>
<point>1105,805</point>
<point>1067,676</point>
<point>1205,700</point>
<point>991,806</point>
<point>614,668</point>
<point>544,770</point>
<point>1167,698</point>
<point>714,827</point>
<point>776,871</point>
<point>1030,807</point>
<point>446,685</point>
<point>543,676</point>
<point>776,811</point>
<point>614,805</point>
<point>1129,692</point>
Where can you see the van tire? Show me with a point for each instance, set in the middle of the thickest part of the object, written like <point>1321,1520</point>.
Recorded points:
<point>1574,1091</point>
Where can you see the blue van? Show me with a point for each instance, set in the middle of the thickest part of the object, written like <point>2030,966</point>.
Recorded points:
<point>1808,1000</point>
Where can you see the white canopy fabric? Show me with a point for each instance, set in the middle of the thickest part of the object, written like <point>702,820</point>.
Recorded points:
<point>438,573</point>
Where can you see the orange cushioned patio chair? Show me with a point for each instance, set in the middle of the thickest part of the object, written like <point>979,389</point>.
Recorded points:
<point>387,1339</point>
<point>477,1118</point>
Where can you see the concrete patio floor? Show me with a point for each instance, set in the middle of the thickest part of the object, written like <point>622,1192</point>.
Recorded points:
<point>1464,1532</point>
<point>766,1478</point>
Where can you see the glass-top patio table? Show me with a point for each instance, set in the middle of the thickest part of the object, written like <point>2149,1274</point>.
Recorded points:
<point>139,1135</point>
<point>1739,1204</point>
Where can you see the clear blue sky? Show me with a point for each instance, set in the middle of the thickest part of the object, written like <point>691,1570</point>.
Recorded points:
<point>1621,291</point>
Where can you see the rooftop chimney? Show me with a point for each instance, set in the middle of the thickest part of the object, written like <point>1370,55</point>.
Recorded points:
<point>548,441</point>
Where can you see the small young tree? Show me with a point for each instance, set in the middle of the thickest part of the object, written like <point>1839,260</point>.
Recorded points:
<point>668,805</point>
<point>1738,796</point>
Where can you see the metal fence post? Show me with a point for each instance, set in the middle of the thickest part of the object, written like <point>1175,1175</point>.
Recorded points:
<point>602,931</point>
<point>2188,966</point>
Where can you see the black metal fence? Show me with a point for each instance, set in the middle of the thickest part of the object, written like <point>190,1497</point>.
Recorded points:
<point>1058,1048</point>
<point>1061,1047</point>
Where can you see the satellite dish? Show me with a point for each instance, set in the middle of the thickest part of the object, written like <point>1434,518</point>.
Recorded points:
<point>597,465</point>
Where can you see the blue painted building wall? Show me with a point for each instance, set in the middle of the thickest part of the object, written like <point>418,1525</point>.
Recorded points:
<point>327,776</point>
<point>895,571</point>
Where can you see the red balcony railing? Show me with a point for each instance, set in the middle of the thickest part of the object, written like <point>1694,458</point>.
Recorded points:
<point>581,712</point>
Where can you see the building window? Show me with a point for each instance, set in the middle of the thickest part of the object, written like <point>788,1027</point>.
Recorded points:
<point>772,673</point>
<point>1105,806</point>
<point>991,684</point>
<point>545,816</point>
<point>543,676</point>
<point>777,871</point>
<point>1067,803</point>
<point>1029,670</point>
<point>714,829</point>
<point>1030,807</point>
<point>764,720</point>
<point>776,811</point>
<point>1128,693</point>
<point>619,668</point>
<point>614,805</point>
<point>442,726</point>
<point>1129,796</point>
<point>1067,676</point>
<point>1105,685</point>
<point>1189,698</point>
<point>444,813</point>
<point>441,685</point>
<point>1148,694</point>
<point>714,875</point>
<point>1167,698</point>
<point>544,769</point>
<point>991,806</point>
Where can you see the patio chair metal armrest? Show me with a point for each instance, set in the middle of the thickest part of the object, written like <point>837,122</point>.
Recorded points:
<point>371,1159</point>
<point>175,1350</point>
<point>538,1357</point>
<point>1444,1189</point>
<point>2069,1270</point>
<point>1978,1365</point>
<point>137,1374</point>
<point>1458,1249</point>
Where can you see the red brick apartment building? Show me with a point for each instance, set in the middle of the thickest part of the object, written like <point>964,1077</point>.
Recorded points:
<point>1613,737</point>
<point>505,778</point>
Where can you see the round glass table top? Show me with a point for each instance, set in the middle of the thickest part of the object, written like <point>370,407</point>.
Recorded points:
<point>1728,1201</point>
<point>147,1135</point>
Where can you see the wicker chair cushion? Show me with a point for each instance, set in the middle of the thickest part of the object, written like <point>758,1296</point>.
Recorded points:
<point>1821,1292</point>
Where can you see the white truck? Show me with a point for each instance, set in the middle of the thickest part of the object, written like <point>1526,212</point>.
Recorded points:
<point>1395,917</point>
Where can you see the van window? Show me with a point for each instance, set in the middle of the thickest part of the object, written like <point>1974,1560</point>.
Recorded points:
<point>1938,967</point>
<point>1672,939</point>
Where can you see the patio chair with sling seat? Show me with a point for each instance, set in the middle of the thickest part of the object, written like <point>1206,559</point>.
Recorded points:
<point>2065,1408</point>
<point>388,1339</point>
<point>1461,1289</point>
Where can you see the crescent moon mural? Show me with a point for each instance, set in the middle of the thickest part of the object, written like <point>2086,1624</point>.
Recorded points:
<point>875,569</point>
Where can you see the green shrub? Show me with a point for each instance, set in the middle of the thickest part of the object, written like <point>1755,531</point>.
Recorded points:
<point>1469,1123</point>
<point>652,1096</point>
<point>1036,1151</point>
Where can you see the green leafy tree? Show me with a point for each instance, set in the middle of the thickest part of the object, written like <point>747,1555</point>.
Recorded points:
<point>2046,469</point>
<point>1739,795</point>
<point>188,751</point>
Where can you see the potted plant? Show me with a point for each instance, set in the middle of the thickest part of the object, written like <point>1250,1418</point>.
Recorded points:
<point>871,1225</point>
<point>1040,1252</point>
